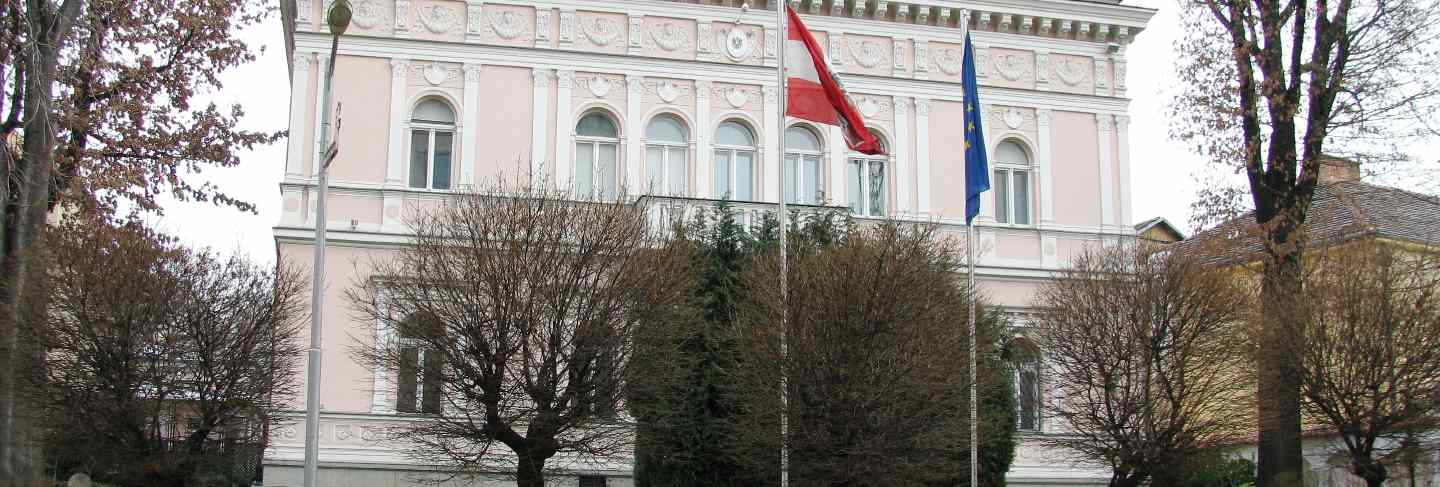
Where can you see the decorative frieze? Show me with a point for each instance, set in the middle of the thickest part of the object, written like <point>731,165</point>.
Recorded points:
<point>922,58</point>
<point>704,40</point>
<point>868,53</point>
<point>542,24</point>
<point>922,16</point>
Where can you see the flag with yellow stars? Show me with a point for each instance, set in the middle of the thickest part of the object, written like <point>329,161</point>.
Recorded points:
<point>977,167</point>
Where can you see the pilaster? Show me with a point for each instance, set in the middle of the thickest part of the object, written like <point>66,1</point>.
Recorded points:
<point>539,128</point>
<point>564,130</point>
<point>1122,138</point>
<point>1043,156</point>
<point>1105,123</point>
<point>702,167</point>
<point>770,145</point>
<point>634,135</point>
<point>922,156</point>
<point>900,156</point>
<point>299,89</point>
<point>469,126</point>
<point>395,165</point>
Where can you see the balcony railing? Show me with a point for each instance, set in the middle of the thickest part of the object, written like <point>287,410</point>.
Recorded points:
<point>666,213</point>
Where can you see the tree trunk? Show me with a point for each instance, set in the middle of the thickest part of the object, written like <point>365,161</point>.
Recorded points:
<point>1372,471</point>
<point>1279,370</point>
<point>1126,479</point>
<point>530,470</point>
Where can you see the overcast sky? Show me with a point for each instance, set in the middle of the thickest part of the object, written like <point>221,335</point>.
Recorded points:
<point>1162,171</point>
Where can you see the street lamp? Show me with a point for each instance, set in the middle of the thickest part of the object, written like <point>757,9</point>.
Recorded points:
<point>338,18</point>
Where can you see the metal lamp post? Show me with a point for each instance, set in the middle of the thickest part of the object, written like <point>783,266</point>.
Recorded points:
<point>339,19</point>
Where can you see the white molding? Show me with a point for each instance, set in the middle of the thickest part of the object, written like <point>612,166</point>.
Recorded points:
<point>299,94</point>
<point>1044,153</point>
<point>539,128</point>
<point>1104,123</point>
<point>395,166</point>
<point>470,126</point>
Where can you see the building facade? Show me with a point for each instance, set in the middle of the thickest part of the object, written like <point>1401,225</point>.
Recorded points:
<point>675,102</point>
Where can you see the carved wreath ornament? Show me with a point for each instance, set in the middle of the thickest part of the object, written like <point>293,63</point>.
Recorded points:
<point>439,19</point>
<point>368,13</point>
<point>507,25</point>
<point>1011,66</point>
<point>601,30</point>
<point>867,53</point>
<point>1070,71</point>
<point>669,36</point>
<point>948,60</point>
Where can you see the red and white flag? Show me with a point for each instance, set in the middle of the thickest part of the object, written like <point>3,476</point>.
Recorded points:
<point>815,94</point>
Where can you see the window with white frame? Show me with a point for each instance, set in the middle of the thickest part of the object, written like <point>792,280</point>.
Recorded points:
<point>866,184</point>
<point>734,161</point>
<point>597,142</point>
<point>667,156</point>
<point>1025,357</point>
<point>802,182</point>
<point>1011,184</point>
<point>432,141</point>
<point>418,375</point>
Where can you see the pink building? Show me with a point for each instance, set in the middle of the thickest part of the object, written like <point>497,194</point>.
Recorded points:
<point>678,99</point>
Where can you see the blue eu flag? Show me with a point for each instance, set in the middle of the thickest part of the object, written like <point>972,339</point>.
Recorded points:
<point>977,167</point>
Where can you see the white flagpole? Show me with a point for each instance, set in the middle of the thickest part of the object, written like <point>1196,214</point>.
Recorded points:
<point>781,23</point>
<point>974,409</point>
<point>970,248</point>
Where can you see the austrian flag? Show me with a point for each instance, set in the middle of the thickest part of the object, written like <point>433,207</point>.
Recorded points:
<point>813,92</point>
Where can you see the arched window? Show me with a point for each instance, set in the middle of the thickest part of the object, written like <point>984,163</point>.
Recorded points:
<point>418,375</point>
<point>1011,183</point>
<point>734,161</point>
<point>667,156</point>
<point>1025,357</point>
<point>432,140</point>
<point>596,145</point>
<point>802,183</point>
<point>866,183</point>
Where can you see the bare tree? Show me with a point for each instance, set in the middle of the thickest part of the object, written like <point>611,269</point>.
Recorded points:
<point>1143,348</point>
<point>872,352</point>
<point>1372,364</point>
<point>1270,86</point>
<point>513,316</point>
<point>100,101</point>
<point>163,365</point>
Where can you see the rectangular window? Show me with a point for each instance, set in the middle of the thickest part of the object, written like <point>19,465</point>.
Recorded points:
<point>585,169</point>
<point>1001,184</point>
<point>1012,196</point>
<point>865,187</point>
<point>419,158</point>
<point>606,161</point>
<point>722,175</point>
<point>676,177</point>
<point>440,176</point>
<point>745,176</point>
<point>1028,384</point>
<point>802,178</point>
<point>418,381</point>
<point>654,169</point>
<point>592,481</point>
